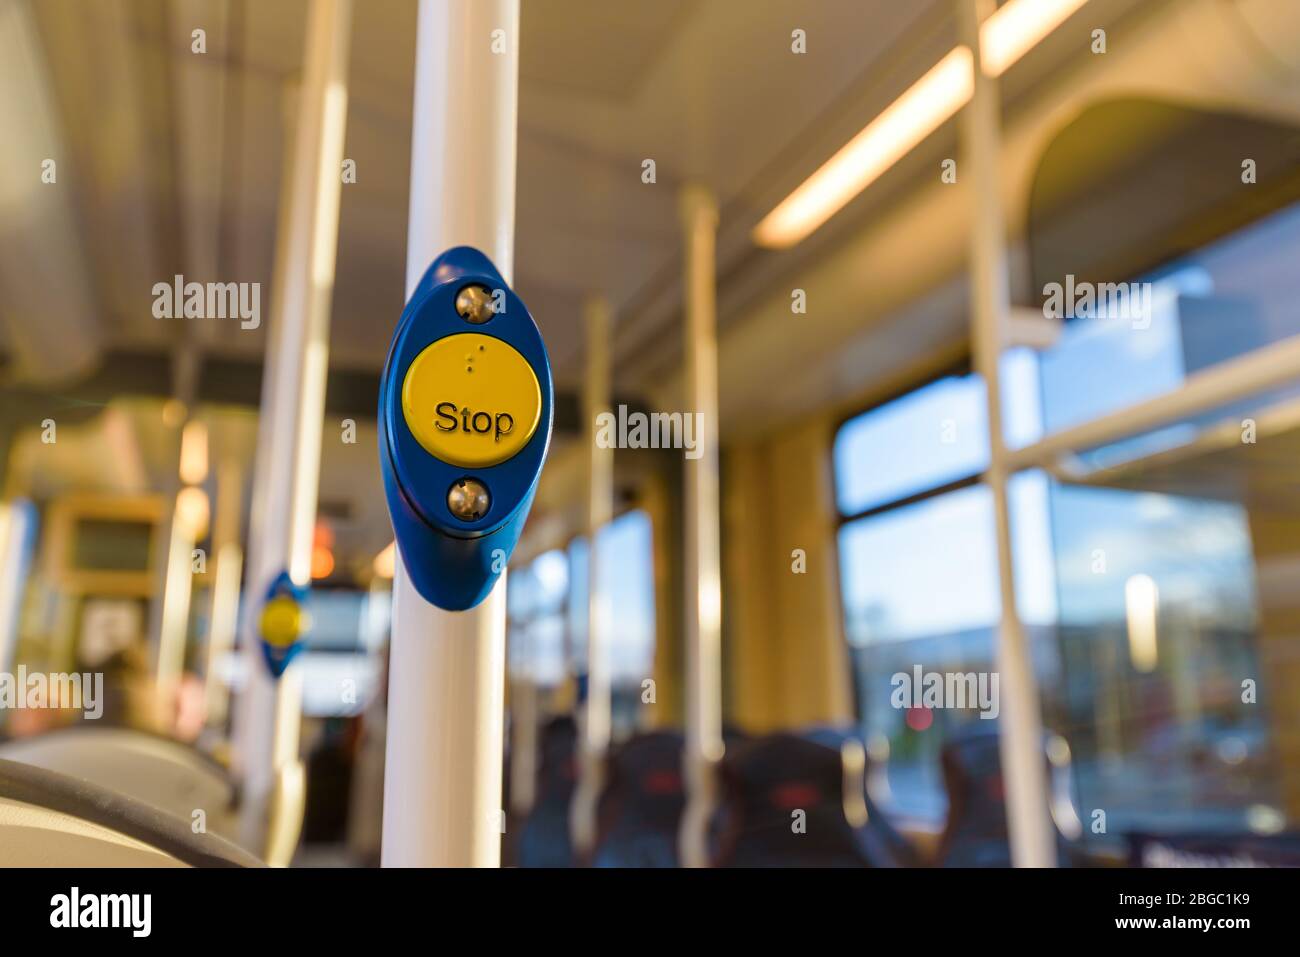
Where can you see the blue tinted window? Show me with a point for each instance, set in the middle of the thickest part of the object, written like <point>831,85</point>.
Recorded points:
<point>932,568</point>
<point>577,617</point>
<point>893,565</point>
<point>935,435</point>
<point>550,614</point>
<point>920,588</point>
<point>1144,610</point>
<point>535,603</point>
<point>1151,691</point>
<point>627,578</point>
<point>1234,296</point>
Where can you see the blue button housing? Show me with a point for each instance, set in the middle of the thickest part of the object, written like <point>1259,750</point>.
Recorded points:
<point>454,564</point>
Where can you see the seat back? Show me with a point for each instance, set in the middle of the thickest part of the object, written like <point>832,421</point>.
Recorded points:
<point>641,809</point>
<point>159,771</point>
<point>544,839</point>
<point>49,819</point>
<point>975,831</point>
<point>785,805</point>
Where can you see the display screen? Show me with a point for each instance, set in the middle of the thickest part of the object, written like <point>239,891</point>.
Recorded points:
<point>110,545</point>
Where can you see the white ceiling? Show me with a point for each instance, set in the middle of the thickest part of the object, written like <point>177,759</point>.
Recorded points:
<point>174,157</point>
<point>170,161</point>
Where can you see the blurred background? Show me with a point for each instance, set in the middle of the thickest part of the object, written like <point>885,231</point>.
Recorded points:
<point>1152,487</point>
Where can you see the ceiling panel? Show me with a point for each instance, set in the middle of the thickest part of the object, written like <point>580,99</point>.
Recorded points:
<point>595,48</point>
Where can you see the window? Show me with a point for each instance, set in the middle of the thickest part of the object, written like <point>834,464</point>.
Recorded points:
<point>548,611</point>
<point>931,437</point>
<point>1154,574</point>
<point>919,571</point>
<point>928,438</point>
<point>1157,631</point>
<point>1167,730</point>
<point>536,605</point>
<point>1234,297</point>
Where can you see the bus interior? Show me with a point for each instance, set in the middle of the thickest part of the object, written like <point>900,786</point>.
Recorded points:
<point>919,491</point>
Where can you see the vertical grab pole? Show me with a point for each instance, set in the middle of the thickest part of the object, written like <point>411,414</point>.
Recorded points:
<point>15,528</point>
<point>1022,733</point>
<point>600,507</point>
<point>699,213</point>
<point>287,467</point>
<point>223,610</point>
<point>525,717</point>
<point>174,541</point>
<point>442,778</point>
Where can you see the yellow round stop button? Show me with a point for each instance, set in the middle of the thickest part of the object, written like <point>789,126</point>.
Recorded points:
<point>283,621</point>
<point>471,400</point>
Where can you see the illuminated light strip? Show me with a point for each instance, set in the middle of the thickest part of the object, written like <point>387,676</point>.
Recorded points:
<point>1017,27</point>
<point>884,141</point>
<point>1004,38</point>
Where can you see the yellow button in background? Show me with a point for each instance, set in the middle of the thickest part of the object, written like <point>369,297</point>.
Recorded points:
<point>471,400</point>
<point>283,621</point>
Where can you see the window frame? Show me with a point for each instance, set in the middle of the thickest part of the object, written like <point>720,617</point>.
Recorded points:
<point>961,368</point>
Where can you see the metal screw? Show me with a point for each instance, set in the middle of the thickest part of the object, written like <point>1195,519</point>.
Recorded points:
<point>468,500</point>
<point>474,304</point>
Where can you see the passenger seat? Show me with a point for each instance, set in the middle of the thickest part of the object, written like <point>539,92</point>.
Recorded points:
<point>641,809</point>
<point>49,819</point>
<point>770,780</point>
<point>544,839</point>
<point>975,833</point>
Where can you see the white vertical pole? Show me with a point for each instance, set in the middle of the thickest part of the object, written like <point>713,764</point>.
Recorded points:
<point>1021,739</point>
<point>699,212</point>
<point>15,521</point>
<point>600,508</point>
<point>174,618</point>
<point>525,717</point>
<point>446,686</point>
<point>169,612</point>
<point>223,612</point>
<point>287,468</point>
